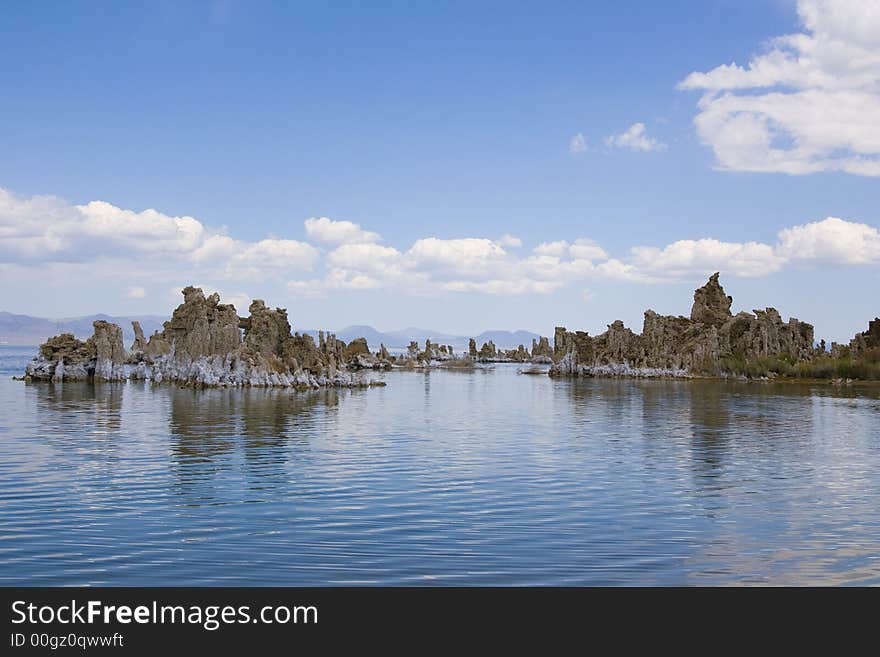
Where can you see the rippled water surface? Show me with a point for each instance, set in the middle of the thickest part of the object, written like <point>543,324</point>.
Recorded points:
<point>484,477</point>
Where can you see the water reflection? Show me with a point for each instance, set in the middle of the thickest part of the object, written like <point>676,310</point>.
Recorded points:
<point>80,406</point>
<point>254,430</point>
<point>480,477</point>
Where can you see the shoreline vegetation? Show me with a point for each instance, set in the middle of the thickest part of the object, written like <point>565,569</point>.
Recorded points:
<point>206,343</point>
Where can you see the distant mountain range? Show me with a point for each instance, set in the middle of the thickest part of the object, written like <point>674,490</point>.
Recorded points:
<point>28,330</point>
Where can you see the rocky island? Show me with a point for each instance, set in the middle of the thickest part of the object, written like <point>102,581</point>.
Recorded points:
<point>714,342</point>
<point>206,343</point>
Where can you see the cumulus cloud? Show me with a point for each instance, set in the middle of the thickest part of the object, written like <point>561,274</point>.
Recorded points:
<point>262,258</point>
<point>809,103</point>
<point>577,144</point>
<point>461,265</point>
<point>582,248</point>
<point>99,239</point>
<point>555,249</point>
<point>47,229</point>
<point>147,231</point>
<point>472,265</point>
<point>343,279</point>
<point>503,286</point>
<point>470,256</point>
<point>338,232</point>
<point>831,240</point>
<point>509,241</point>
<point>687,256</point>
<point>635,138</point>
<point>310,289</point>
<point>215,248</point>
<point>365,257</point>
<point>615,269</point>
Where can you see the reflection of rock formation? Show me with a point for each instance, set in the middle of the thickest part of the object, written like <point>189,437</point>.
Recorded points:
<point>68,410</point>
<point>255,413</point>
<point>711,425</point>
<point>215,431</point>
<point>679,345</point>
<point>206,343</point>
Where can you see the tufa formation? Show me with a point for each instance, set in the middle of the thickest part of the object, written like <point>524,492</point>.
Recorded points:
<point>677,346</point>
<point>206,343</point>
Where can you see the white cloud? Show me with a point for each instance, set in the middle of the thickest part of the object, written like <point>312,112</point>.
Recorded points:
<point>503,286</point>
<point>462,265</point>
<point>809,103</point>
<point>475,265</point>
<point>582,248</point>
<point>343,279</point>
<point>365,257</point>
<point>831,240</point>
<point>542,266</point>
<point>338,232</point>
<point>509,241</point>
<point>261,258</point>
<point>99,240</point>
<point>615,269</point>
<point>148,230</point>
<point>587,249</point>
<point>46,229</point>
<point>313,288</point>
<point>577,144</point>
<point>686,257</point>
<point>216,248</point>
<point>635,138</point>
<point>471,256</point>
<point>558,248</point>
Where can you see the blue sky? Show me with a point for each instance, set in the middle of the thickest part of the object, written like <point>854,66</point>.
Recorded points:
<point>431,123</point>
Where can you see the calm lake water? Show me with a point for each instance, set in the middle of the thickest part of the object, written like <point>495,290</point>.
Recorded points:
<point>484,477</point>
